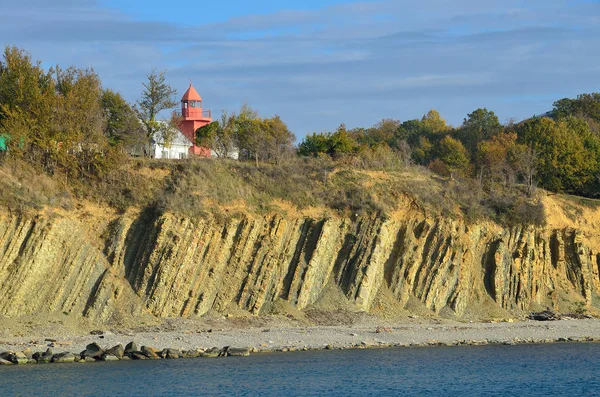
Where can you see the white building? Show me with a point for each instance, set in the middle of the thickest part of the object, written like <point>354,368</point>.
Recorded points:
<point>178,149</point>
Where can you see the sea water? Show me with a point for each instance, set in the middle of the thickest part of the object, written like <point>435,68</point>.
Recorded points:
<point>524,370</point>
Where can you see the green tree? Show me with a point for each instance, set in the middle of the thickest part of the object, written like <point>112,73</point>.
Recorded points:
<point>157,96</point>
<point>433,122</point>
<point>481,124</point>
<point>279,139</point>
<point>315,144</point>
<point>566,158</point>
<point>219,135</point>
<point>585,106</point>
<point>122,125</point>
<point>497,158</point>
<point>453,154</point>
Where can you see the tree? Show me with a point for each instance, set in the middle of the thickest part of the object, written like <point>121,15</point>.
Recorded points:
<point>218,135</point>
<point>479,125</point>
<point>585,106</point>
<point>249,133</point>
<point>314,144</point>
<point>496,158</point>
<point>156,97</point>
<point>453,154</point>
<point>279,139</point>
<point>434,123</point>
<point>566,158</point>
<point>122,125</point>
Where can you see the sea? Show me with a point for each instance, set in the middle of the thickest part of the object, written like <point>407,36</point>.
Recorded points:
<point>523,370</point>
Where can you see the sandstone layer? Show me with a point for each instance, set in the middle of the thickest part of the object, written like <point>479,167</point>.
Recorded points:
<point>162,265</point>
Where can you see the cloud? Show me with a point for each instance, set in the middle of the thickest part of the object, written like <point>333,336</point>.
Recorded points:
<point>355,63</point>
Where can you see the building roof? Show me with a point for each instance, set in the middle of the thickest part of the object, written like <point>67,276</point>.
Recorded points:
<point>191,95</point>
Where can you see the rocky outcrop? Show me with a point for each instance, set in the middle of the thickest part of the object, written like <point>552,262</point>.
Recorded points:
<point>170,266</point>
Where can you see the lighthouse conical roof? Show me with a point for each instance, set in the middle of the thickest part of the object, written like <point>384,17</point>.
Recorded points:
<point>191,95</point>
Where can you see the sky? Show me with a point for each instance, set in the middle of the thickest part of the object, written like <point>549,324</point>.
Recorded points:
<point>318,64</point>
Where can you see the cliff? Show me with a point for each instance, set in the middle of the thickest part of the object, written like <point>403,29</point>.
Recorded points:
<point>110,268</point>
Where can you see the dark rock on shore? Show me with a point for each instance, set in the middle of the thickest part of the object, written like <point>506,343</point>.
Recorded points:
<point>92,350</point>
<point>65,357</point>
<point>546,315</point>
<point>238,352</point>
<point>214,352</point>
<point>131,347</point>
<point>170,353</point>
<point>150,352</point>
<point>5,362</point>
<point>116,351</point>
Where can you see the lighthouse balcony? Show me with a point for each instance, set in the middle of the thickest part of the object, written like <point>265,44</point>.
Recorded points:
<point>196,113</point>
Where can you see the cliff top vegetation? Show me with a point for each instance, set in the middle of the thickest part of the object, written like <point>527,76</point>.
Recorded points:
<point>64,139</point>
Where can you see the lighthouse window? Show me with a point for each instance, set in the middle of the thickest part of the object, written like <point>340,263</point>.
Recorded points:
<point>193,103</point>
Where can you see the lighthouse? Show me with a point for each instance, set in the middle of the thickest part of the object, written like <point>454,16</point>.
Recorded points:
<point>194,117</point>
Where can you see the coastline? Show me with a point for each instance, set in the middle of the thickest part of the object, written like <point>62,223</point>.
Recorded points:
<point>284,338</point>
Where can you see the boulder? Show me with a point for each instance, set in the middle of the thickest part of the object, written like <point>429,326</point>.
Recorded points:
<point>191,354</point>
<point>224,351</point>
<point>21,358</point>
<point>65,357</point>
<point>131,347</point>
<point>109,357</point>
<point>137,356</point>
<point>8,356</point>
<point>116,351</point>
<point>92,350</point>
<point>150,352</point>
<point>238,351</point>
<point>5,362</point>
<point>28,353</point>
<point>170,353</point>
<point>214,352</point>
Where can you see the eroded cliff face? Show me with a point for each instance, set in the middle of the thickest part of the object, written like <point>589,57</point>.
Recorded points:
<point>168,266</point>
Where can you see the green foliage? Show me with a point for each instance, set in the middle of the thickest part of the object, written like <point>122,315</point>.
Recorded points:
<point>122,125</point>
<point>479,125</point>
<point>585,106</point>
<point>567,152</point>
<point>157,96</point>
<point>454,156</point>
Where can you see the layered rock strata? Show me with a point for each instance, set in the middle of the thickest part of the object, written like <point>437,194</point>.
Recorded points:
<point>170,266</point>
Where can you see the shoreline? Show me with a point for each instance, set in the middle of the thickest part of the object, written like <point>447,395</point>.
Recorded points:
<point>211,342</point>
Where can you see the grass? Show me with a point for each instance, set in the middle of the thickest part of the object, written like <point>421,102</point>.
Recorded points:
<point>198,187</point>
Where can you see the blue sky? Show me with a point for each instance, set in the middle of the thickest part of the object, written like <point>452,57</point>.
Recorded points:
<point>320,63</point>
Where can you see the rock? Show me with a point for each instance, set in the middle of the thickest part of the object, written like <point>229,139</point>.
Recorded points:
<point>191,354</point>
<point>96,332</point>
<point>131,347</point>
<point>88,360</point>
<point>5,362</point>
<point>28,353</point>
<point>109,357</point>
<point>21,358</point>
<point>116,351</point>
<point>43,357</point>
<point>380,330</point>
<point>224,351</point>
<point>238,352</point>
<point>170,353</point>
<point>150,352</point>
<point>546,315</point>
<point>93,350</point>
<point>214,352</point>
<point>63,358</point>
<point>137,356</point>
<point>8,356</point>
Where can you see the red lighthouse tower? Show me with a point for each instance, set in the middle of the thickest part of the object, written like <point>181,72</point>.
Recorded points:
<point>194,117</point>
